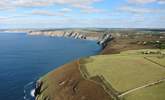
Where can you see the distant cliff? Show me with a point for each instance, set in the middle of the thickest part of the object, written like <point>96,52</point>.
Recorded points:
<point>72,34</point>
<point>101,38</point>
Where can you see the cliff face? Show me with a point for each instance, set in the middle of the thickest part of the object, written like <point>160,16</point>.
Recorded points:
<point>76,35</point>
<point>101,38</point>
<point>95,36</point>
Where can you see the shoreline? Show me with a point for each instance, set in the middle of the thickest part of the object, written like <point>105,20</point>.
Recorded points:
<point>67,81</point>
<point>102,40</point>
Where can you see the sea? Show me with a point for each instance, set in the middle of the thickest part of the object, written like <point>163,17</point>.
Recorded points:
<point>25,58</point>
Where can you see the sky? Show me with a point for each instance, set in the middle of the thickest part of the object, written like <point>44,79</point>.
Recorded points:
<point>82,14</point>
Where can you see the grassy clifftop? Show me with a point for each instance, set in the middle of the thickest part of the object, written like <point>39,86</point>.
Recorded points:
<point>134,70</point>
<point>130,75</point>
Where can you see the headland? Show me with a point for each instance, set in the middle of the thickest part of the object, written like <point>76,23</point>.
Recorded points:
<point>130,67</point>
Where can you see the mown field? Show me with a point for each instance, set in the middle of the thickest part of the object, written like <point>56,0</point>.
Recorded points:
<point>128,70</point>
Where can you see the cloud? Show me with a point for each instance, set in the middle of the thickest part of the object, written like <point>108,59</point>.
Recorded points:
<point>65,10</point>
<point>61,12</point>
<point>88,9</point>
<point>81,4</point>
<point>147,1</point>
<point>141,1</point>
<point>161,2</point>
<point>43,12</point>
<point>92,10</point>
<point>5,5</point>
<point>2,19</point>
<point>139,10</point>
<point>10,17</point>
<point>133,22</point>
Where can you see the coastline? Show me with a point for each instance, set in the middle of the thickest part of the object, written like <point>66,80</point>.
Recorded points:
<point>67,82</point>
<point>102,40</point>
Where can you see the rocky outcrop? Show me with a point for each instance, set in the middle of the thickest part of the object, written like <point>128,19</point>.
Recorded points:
<point>105,39</point>
<point>38,88</point>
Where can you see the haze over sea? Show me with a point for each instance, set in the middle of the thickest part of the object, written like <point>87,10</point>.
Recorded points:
<point>24,59</point>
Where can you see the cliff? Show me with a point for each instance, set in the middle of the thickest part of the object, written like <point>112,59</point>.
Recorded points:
<point>129,75</point>
<point>71,34</point>
<point>101,38</point>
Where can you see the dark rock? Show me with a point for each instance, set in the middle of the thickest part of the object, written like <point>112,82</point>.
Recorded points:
<point>38,88</point>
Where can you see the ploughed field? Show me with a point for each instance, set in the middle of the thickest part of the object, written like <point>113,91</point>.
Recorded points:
<point>130,75</point>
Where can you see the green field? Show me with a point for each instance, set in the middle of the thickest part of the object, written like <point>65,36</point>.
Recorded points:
<point>156,92</point>
<point>157,60</point>
<point>126,71</point>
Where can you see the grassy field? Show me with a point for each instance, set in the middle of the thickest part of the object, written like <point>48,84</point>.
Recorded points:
<point>127,70</point>
<point>158,60</point>
<point>156,92</point>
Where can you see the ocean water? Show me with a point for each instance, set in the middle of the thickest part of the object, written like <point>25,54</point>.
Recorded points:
<point>23,59</point>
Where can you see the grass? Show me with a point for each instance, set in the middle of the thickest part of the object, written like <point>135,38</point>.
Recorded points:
<point>149,93</point>
<point>125,71</point>
<point>160,60</point>
<point>117,74</point>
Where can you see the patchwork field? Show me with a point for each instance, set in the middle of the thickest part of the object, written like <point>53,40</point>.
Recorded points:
<point>131,72</point>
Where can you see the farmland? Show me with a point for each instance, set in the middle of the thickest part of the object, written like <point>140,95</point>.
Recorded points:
<point>130,67</point>
<point>148,93</point>
<point>126,71</point>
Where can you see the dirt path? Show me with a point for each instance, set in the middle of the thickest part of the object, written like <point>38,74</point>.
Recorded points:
<point>141,87</point>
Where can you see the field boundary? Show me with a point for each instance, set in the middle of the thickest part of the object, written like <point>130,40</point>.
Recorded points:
<point>107,86</point>
<point>141,87</point>
<point>100,80</point>
<point>154,62</point>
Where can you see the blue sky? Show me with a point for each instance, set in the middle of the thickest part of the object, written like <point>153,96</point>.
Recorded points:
<point>82,13</point>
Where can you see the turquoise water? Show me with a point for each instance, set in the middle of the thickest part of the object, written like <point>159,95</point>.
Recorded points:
<point>23,59</point>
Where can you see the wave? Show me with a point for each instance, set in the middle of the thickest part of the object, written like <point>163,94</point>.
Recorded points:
<point>29,90</point>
